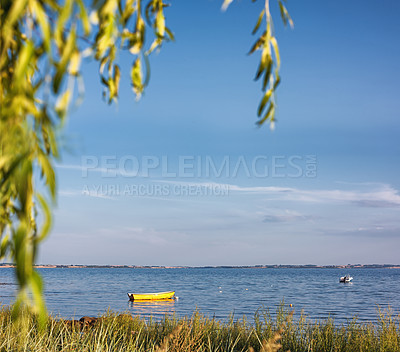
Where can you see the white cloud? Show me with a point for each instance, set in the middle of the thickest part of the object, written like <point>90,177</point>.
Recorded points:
<point>382,195</point>
<point>288,216</point>
<point>368,231</point>
<point>106,172</point>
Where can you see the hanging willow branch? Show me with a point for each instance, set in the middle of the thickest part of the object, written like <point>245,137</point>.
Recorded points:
<point>270,62</point>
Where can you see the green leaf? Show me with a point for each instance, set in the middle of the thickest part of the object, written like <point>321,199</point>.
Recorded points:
<point>276,50</point>
<point>109,7</point>
<point>277,81</point>
<point>5,243</point>
<point>156,43</point>
<point>84,17</point>
<point>57,80</point>
<point>136,77</point>
<point>128,11</point>
<point>41,16</point>
<point>23,184</point>
<point>267,75</point>
<point>117,77</point>
<point>74,63</point>
<point>282,11</point>
<point>63,103</point>
<point>69,48</point>
<point>257,44</point>
<point>46,142</point>
<point>260,17</point>
<point>285,15</point>
<point>170,34</point>
<point>18,7</point>
<point>103,64</point>
<point>48,171</point>
<point>65,14</point>
<point>23,257</point>
<point>260,70</point>
<point>53,142</point>
<point>111,89</point>
<point>23,62</point>
<point>104,81</point>
<point>15,163</point>
<point>270,112</point>
<point>160,23</point>
<point>264,101</point>
<point>139,36</point>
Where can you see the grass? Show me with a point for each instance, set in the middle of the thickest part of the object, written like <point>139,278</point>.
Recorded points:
<point>122,332</point>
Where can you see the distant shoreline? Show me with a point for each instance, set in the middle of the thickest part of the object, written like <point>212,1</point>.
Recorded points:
<point>308,266</point>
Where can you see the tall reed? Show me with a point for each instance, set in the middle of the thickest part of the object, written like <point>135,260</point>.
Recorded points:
<point>122,332</point>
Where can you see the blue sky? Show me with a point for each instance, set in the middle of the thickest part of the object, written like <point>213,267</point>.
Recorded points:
<point>338,118</point>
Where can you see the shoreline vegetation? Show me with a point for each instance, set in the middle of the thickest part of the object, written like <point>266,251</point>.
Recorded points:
<point>274,266</point>
<point>124,332</point>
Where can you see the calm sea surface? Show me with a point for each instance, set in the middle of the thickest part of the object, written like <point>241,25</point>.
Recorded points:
<point>217,292</point>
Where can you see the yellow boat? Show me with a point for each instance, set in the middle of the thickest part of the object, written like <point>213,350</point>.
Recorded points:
<point>151,296</point>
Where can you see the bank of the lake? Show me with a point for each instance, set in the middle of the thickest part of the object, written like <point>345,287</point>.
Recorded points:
<point>121,332</point>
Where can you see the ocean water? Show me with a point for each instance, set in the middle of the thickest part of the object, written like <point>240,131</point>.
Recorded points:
<point>216,292</point>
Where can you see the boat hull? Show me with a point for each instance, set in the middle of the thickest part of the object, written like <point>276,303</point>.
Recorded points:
<point>151,296</point>
<point>345,279</point>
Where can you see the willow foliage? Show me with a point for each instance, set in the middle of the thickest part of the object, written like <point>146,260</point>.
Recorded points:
<point>42,44</point>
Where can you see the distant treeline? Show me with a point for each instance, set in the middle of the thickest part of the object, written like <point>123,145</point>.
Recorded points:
<point>274,266</point>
